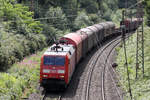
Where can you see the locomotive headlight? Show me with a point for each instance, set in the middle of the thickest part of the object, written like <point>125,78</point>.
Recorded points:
<point>61,76</point>
<point>46,71</point>
<point>61,71</point>
<point>45,75</point>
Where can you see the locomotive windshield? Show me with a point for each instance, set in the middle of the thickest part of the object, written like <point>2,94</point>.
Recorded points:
<point>54,60</point>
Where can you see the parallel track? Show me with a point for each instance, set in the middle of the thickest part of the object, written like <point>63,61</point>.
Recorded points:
<point>93,64</point>
<point>104,71</point>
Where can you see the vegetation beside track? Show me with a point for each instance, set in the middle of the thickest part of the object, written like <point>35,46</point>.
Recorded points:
<point>21,35</point>
<point>140,86</point>
<point>21,79</point>
<point>26,29</point>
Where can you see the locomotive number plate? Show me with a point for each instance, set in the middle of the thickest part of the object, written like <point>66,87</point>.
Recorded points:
<point>53,71</point>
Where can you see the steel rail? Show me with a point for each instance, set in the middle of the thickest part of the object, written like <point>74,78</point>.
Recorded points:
<point>104,70</point>
<point>105,66</point>
<point>46,94</point>
<point>93,64</point>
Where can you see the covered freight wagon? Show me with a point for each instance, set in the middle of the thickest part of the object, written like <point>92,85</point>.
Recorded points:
<point>84,38</point>
<point>100,31</point>
<point>90,37</point>
<point>95,34</point>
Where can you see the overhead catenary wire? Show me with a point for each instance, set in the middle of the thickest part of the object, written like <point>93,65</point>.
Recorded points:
<point>135,4</point>
<point>43,18</point>
<point>132,6</point>
<point>53,17</point>
<point>46,18</point>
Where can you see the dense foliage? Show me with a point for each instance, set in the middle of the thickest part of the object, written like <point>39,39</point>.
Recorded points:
<point>72,9</point>
<point>21,79</point>
<point>126,3</point>
<point>27,26</point>
<point>20,34</point>
<point>147,10</point>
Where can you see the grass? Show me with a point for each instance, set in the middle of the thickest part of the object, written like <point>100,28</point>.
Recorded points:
<point>21,79</point>
<point>140,86</point>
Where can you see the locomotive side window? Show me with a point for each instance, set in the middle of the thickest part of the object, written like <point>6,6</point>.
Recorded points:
<point>59,61</point>
<point>48,60</point>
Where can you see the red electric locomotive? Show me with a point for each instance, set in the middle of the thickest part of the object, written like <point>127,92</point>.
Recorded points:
<point>58,62</point>
<point>131,24</point>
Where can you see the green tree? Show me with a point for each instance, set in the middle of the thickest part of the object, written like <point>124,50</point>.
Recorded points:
<point>18,17</point>
<point>147,10</point>
<point>55,17</point>
<point>20,33</point>
<point>124,3</point>
<point>91,6</point>
<point>82,20</point>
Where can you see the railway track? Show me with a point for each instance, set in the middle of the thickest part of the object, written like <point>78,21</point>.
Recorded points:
<point>105,70</point>
<point>47,96</point>
<point>93,63</point>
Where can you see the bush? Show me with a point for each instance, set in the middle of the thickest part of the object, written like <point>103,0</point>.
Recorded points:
<point>106,14</point>
<point>18,18</point>
<point>20,35</point>
<point>116,17</point>
<point>19,78</point>
<point>15,47</point>
<point>94,18</point>
<point>12,87</point>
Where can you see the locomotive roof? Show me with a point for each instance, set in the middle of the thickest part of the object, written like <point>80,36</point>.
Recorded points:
<point>62,51</point>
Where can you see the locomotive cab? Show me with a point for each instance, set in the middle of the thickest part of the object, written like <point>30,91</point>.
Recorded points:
<point>55,64</point>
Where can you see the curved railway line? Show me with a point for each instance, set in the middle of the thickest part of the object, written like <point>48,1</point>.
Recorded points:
<point>92,64</point>
<point>105,71</point>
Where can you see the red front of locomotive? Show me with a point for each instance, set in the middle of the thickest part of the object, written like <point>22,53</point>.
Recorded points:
<point>57,66</point>
<point>52,74</point>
